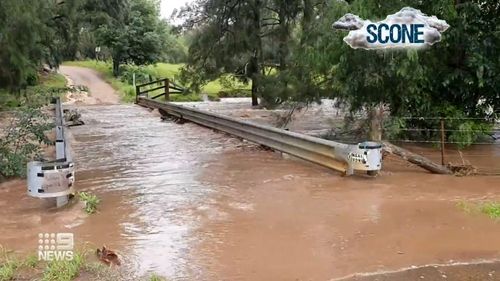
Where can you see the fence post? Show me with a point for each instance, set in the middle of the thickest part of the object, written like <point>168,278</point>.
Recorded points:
<point>167,90</point>
<point>442,142</point>
<point>137,93</point>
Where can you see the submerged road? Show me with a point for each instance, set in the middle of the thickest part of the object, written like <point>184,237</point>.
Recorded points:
<point>192,204</point>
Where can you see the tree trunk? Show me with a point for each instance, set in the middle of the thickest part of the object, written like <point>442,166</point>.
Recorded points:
<point>116,67</point>
<point>255,100</point>
<point>307,15</point>
<point>257,58</point>
<point>376,117</point>
<point>283,36</point>
<point>416,159</point>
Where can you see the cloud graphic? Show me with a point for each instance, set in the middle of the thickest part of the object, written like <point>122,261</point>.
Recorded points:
<point>349,22</point>
<point>357,37</point>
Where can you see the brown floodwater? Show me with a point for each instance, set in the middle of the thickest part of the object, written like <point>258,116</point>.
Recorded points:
<point>190,203</point>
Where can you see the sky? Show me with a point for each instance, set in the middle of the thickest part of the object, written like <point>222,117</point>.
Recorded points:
<point>168,6</point>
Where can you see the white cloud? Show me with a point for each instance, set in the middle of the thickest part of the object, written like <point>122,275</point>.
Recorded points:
<point>168,6</point>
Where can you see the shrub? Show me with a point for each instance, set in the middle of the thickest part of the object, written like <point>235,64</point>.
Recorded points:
<point>91,202</point>
<point>22,141</point>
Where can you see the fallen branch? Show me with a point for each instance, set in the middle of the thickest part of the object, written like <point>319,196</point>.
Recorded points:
<point>416,159</point>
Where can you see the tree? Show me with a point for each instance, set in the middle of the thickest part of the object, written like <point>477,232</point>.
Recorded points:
<point>130,29</point>
<point>457,77</point>
<point>31,34</point>
<point>238,37</point>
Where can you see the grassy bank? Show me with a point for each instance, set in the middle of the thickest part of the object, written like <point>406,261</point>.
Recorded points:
<point>48,85</point>
<point>82,267</point>
<point>123,84</point>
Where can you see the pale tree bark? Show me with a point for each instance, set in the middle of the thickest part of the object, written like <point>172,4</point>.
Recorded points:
<point>376,117</point>
<point>416,159</point>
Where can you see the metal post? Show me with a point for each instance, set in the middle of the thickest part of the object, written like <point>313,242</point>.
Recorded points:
<point>167,90</point>
<point>442,142</point>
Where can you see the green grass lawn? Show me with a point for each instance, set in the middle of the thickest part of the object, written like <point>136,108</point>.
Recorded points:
<point>158,71</point>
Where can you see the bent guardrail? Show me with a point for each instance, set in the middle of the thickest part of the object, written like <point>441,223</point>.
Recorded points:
<point>54,179</point>
<point>346,158</point>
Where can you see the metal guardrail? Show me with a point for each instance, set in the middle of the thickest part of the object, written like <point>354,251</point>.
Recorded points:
<point>54,179</point>
<point>345,158</point>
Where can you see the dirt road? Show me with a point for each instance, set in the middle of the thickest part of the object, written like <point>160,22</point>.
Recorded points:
<point>99,92</point>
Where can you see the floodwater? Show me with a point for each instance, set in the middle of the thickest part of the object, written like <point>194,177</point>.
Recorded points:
<point>189,203</point>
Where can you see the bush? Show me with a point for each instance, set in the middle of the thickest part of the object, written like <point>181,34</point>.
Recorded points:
<point>91,202</point>
<point>235,93</point>
<point>22,141</point>
<point>141,75</point>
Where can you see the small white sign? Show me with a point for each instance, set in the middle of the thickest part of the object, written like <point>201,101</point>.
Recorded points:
<point>55,246</point>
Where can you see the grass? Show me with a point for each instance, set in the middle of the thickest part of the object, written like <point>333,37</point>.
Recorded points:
<point>91,201</point>
<point>64,270</point>
<point>491,209</point>
<point>30,268</point>
<point>31,261</point>
<point>81,267</point>
<point>53,80</point>
<point>157,71</point>
<point>48,86</point>
<point>8,269</point>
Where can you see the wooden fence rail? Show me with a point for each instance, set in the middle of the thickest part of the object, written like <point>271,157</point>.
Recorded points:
<point>164,84</point>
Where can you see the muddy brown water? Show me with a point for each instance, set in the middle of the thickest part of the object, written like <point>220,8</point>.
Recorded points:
<point>216,208</point>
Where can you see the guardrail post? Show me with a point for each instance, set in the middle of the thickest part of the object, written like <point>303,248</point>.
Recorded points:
<point>53,179</point>
<point>167,90</point>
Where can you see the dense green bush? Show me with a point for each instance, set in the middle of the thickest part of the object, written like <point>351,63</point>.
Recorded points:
<point>21,141</point>
<point>141,75</point>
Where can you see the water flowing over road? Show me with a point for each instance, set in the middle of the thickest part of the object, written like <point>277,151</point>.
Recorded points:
<point>190,203</point>
<point>193,204</point>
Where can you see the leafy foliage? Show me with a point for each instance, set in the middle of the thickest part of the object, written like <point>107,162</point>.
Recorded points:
<point>91,201</point>
<point>131,30</point>
<point>22,141</point>
<point>310,61</point>
<point>492,209</point>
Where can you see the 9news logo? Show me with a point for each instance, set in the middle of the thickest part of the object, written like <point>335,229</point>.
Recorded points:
<point>55,246</point>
